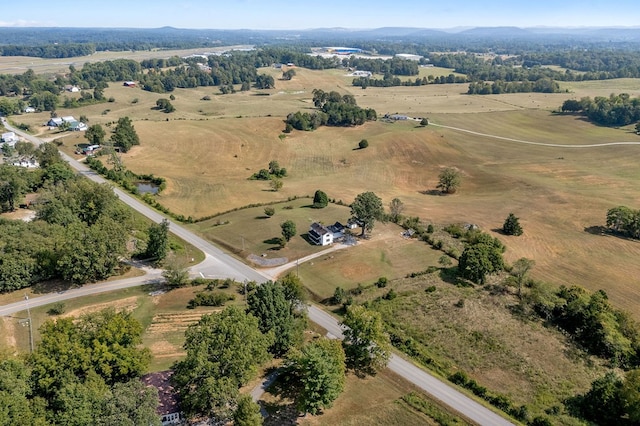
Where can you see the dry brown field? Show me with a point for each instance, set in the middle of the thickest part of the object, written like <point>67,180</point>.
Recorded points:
<point>208,149</point>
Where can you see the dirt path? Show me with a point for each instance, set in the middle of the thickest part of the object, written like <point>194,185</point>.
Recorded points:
<point>551,145</point>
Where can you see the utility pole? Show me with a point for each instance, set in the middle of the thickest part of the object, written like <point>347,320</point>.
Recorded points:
<point>26,301</point>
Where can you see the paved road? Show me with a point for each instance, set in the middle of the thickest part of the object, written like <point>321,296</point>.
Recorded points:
<point>220,264</point>
<point>438,389</point>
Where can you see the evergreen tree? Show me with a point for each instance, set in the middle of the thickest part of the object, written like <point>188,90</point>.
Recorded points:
<point>512,226</point>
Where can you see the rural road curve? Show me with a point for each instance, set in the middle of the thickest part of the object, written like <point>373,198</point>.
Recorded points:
<point>222,265</point>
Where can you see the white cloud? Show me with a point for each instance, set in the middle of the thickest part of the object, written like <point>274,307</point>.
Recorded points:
<point>26,23</point>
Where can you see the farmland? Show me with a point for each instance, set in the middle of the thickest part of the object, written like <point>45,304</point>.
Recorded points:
<point>208,149</point>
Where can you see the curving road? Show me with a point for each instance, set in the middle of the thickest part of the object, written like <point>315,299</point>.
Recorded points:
<point>219,264</point>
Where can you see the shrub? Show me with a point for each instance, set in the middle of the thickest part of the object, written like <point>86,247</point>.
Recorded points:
<point>57,309</point>
<point>430,289</point>
<point>390,295</point>
<point>455,230</point>
<point>269,211</point>
<point>210,299</point>
<point>363,144</point>
<point>382,282</point>
<point>430,229</point>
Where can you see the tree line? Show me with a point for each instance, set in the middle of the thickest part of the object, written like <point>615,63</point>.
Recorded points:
<point>615,110</point>
<point>389,80</point>
<point>542,85</point>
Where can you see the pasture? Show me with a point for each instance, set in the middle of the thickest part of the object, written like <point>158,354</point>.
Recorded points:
<point>208,149</point>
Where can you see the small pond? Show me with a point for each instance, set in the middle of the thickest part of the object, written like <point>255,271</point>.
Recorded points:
<point>147,188</point>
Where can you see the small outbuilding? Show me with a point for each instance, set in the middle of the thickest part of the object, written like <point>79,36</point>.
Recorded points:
<point>129,84</point>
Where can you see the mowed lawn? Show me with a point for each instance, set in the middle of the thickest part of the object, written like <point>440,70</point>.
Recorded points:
<point>250,231</point>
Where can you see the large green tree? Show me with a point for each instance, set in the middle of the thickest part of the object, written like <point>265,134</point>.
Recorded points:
<point>366,345</point>
<point>449,180</point>
<point>13,186</point>
<point>367,208</point>
<point>95,134</point>
<point>105,343</point>
<point>275,313</point>
<point>247,413</point>
<point>223,352</point>
<point>124,135</point>
<point>482,256</point>
<point>18,407</point>
<point>316,374</point>
<point>320,200</point>
<point>158,243</point>
<point>265,81</point>
<point>288,229</point>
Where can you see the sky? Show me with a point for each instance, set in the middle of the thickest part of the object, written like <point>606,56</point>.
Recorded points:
<point>304,14</point>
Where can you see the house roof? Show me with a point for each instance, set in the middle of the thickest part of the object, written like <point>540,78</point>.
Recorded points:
<point>336,228</point>
<point>167,399</point>
<point>319,229</point>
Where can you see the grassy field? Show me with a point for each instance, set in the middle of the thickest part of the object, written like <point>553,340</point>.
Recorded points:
<point>208,149</point>
<point>255,233</point>
<point>371,401</point>
<point>530,363</point>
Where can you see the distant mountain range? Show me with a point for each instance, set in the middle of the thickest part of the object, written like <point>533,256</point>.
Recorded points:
<point>168,35</point>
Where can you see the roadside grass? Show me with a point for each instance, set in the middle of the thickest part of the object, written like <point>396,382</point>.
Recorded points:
<point>532,364</point>
<point>373,400</point>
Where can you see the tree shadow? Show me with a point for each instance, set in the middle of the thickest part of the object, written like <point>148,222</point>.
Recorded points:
<point>450,275</point>
<point>263,217</point>
<point>52,286</point>
<point>499,231</point>
<point>596,230</point>
<point>606,232</point>
<point>435,192</point>
<point>306,237</point>
<point>274,240</point>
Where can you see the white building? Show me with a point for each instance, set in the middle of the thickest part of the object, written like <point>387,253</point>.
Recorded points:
<point>9,137</point>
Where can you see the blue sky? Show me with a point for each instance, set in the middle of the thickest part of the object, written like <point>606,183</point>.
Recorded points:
<point>302,14</point>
